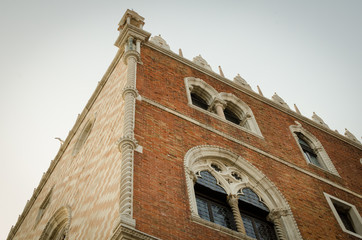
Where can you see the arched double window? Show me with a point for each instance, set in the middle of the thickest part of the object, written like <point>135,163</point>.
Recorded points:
<point>225,105</point>
<point>226,190</point>
<point>312,149</point>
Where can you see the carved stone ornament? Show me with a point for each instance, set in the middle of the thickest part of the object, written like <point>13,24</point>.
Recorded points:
<point>319,120</point>
<point>349,135</point>
<point>280,101</point>
<point>201,62</point>
<point>159,41</point>
<point>241,81</point>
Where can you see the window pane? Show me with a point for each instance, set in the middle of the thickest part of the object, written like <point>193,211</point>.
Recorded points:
<point>264,230</point>
<point>346,219</point>
<point>223,216</point>
<point>198,101</point>
<point>248,225</point>
<point>209,181</point>
<point>230,116</point>
<point>202,208</point>
<point>251,197</point>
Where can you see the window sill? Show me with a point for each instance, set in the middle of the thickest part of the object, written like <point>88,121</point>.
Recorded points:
<point>217,227</point>
<point>322,169</point>
<point>226,121</point>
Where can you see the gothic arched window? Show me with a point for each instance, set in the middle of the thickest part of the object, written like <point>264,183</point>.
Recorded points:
<point>227,191</point>
<point>312,149</point>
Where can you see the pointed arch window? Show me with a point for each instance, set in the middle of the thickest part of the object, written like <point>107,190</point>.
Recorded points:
<point>224,189</point>
<point>312,149</point>
<point>224,105</point>
<point>309,153</point>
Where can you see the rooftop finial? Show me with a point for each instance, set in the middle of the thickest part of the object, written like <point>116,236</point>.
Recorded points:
<point>349,135</point>
<point>279,100</point>
<point>319,120</point>
<point>241,81</point>
<point>221,72</point>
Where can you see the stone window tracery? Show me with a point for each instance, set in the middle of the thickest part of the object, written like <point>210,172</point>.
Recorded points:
<point>312,149</point>
<point>258,208</point>
<point>225,105</point>
<point>58,226</point>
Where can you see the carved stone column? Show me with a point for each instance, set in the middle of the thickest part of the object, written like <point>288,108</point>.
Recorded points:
<point>275,217</point>
<point>233,202</point>
<point>127,143</point>
<point>219,106</point>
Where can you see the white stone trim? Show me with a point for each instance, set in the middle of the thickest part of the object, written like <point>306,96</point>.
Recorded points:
<point>233,139</point>
<point>201,88</point>
<point>355,216</point>
<point>252,94</point>
<point>316,145</point>
<point>242,110</point>
<point>200,156</point>
<point>210,95</point>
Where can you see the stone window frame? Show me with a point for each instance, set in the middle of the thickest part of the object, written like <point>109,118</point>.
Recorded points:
<point>83,136</point>
<point>316,145</point>
<point>58,225</point>
<point>200,158</point>
<point>214,99</point>
<point>353,212</point>
<point>43,207</point>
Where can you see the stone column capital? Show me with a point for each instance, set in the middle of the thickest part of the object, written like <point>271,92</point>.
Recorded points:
<point>127,141</point>
<point>131,54</point>
<point>129,90</point>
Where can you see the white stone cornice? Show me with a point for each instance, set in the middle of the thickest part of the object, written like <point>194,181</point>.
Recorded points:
<point>131,31</point>
<point>253,94</point>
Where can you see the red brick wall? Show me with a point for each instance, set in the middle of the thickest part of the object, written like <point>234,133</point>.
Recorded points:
<point>161,202</point>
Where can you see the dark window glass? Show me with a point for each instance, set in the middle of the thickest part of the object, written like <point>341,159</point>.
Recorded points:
<point>254,213</point>
<point>308,152</point>
<point>209,181</point>
<point>346,218</point>
<point>251,197</point>
<point>211,201</point>
<point>198,101</point>
<point>231,116</point>
<point>215,211</point>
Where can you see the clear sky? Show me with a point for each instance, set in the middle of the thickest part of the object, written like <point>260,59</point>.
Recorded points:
<point>53,53</point>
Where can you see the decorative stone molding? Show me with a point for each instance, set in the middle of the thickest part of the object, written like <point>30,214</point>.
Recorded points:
<point>279,101</point>
<point>202,157</point>
<point>315,144</point>
<point>201,88</point>
<point>319,120</point>
<point>258,96</point>
<point>130,40</point>
<point>159,41</point>
<point>213,99</point>
<point>58,225</point>
<point>242,110</point>
<point>349,135</point>
<point>241,81</point>
<point>124,232</point>
<point>201,62</point>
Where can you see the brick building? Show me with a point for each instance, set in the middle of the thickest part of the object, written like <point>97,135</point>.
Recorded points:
<point>168,149</point>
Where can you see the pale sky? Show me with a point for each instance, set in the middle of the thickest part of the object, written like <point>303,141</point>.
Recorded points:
<point>53,53</point>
